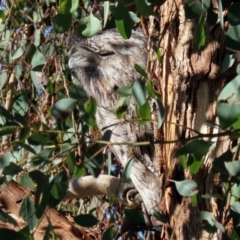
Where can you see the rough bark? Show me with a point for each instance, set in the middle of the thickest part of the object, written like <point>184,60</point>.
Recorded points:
<point>189,84</point>
<point>11,198</point>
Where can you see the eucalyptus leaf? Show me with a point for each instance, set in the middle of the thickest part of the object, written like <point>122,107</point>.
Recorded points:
<point>123,21</point>
<point>106,5</point>
<point>124,91</point>
<point>127,169</point>
<point>64,107</point>
<point>200,34</point>
<point>121,107</point>
<point>228,104</point>
<point>27,212</point>
<point>139,92</point>
<point>199,7</point>
<point>233,14</point>
<point>62,22</point>
<point>93,25</point>
<point>233,168</point>
<point>86,220</point>
<point>186,188</point>
<point>228,61</point>
<point>144,7</point>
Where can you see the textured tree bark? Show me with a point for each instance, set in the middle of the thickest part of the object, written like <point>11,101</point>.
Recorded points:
<point>189,85</point>
<point>10,200</point>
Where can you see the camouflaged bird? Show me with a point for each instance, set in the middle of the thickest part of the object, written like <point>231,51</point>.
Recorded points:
<point>103,64</point>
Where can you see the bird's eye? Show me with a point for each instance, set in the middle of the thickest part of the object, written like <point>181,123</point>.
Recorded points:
<point>106,54</point>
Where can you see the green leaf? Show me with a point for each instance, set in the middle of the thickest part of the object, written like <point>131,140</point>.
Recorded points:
<point>18,69</point>
<point>158,53</point>
<point>204,215</point>
<point>134,215</point>
<point>62,22</point>
<point>75,5</point>
<point>38,60</point>
<point>219,165</point>
<point>151,91</point>
<point>212,16</point>
<point>121,107</point>
<point>3,79</point>
<point>124,91</point>
<point>127,169</point>
<point>194,200</point>
<point>94,163</point>
<point>207,216</point>
<point>133,17</point>
<point>41,198</point>
<point>21,104</point>
<point>26,181</point>
<point>141,71</point>
<point>90,106</point>
<point>233,38</point>
<point>37,37</point>
<point>8,130</point>
<point>38,138</point>
<point>71,162</point>
<point>200,34</point>
<point>139,92</point>
<point>196,150</point>
<point>27,212</point>
<point>38,79</point>
<point>233,168</point>
<point>93,25</point>
<point>123,21</point>
<point>159,216</point>
<point>65,6</point>
<point>233,14</point>
<point>2,16</point>
<point>195,166</point>
<point>220,10</point>
<point>144,7</point>
<point>12,169</point>
<point>228,61</point>
<point>236,190</point>
<point>86,220</point>
<point>160,112</point>
<point>23,145</point>
<point>106,5</point>
<point>59,190</point>
<point>19,52</point>
<point>189,13</point>
<point>11,234</point>
<point>144,113</point>
<point>64,107</point>
<point>198,7</point>
<point>109,234</point>
<point>38,177</point>
<point>236,207</point>
<point>186,188</point>
<point>228,104</point>
<point>7,158</point>
<point>237,70</point>
<point>209,196</point>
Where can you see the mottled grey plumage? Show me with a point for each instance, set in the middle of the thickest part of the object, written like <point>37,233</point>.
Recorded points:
<point>103,63</point>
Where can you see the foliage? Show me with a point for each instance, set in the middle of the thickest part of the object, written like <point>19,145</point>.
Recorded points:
<point>45,115</point>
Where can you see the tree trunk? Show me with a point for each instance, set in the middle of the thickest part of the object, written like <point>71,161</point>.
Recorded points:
<point>189,85</point>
